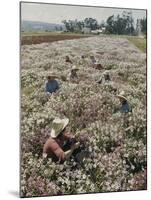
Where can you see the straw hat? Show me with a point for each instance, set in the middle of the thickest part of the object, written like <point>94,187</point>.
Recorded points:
<point>106,72</point>
<point>92,57</point>
<point>52,75</point>
<point>57,126</point>
<point>121,95</point>
<point>74,68</point>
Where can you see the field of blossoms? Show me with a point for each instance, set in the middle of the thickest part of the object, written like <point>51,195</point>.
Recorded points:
<point>115,143</point>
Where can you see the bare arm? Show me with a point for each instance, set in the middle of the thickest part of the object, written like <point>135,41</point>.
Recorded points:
<point>69,152</point>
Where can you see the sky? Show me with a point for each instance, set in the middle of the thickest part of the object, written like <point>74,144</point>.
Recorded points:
<point>56,13</point>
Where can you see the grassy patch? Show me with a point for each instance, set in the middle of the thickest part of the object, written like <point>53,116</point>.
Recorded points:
<point>138,42</point>
<point>28,91</point>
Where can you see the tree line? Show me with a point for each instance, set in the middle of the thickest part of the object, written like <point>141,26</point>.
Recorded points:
<point>120,24</point>
<point>77,26</point>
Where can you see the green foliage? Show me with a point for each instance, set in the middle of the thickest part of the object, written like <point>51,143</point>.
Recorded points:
<point>138,42</point>
<point>120,24</point>
<point>77,26</point>
<point>91,23</point>
<point>144,25</point>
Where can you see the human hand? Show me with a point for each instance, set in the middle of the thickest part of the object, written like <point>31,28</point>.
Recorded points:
<point>44,155</point>
<point>75,146</point>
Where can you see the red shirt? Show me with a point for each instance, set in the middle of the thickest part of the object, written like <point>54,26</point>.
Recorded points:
<point>53,146</point>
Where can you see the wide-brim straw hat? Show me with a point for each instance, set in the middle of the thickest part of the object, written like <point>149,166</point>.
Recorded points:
<point>74,68</point>
<point>52,75</point>
<point>121,95</point>
<point>106,72</point>
<point>57,126</point>
<point>92,57</point>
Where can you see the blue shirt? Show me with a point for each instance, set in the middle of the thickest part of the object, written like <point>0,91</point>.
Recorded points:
<point>52,86</point>
<point>125,108</point>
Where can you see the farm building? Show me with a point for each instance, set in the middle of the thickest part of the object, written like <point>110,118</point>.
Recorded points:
<point>98,31</point>
<point>86,30</point>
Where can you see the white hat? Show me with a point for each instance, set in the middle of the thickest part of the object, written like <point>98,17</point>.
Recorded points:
<point>57,126</point>
<point>53,75</point>
<point>74,68</point>
<point>106,72</point>
<point>121,95</point>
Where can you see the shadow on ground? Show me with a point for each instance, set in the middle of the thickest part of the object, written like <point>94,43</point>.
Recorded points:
<point>14,193</point>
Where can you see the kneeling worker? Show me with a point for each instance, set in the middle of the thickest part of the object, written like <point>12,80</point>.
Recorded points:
<point>95,63</point>
<point>72,76</point>
<point>125,106</point>
<point>104,78</point>
<point>61,142</point>
<point>52,85</point>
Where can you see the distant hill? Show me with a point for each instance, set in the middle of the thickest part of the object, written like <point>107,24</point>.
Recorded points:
<point>31,26</point>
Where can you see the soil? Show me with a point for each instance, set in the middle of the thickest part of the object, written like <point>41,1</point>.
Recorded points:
<point>37,39</point>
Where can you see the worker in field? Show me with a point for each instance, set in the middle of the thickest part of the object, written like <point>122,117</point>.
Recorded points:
<point>83,56</point>
<point>67,59</point>
<point>61,143</point>
<point>72,76</point>
<point>105,78</point>
<point>52,84</point>
<point>95,63</point>
<point>125,105</point>
<point>93,60</point>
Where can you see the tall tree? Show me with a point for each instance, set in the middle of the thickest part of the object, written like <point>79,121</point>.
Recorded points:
<point>66,25</point>
<point>120,24</point>
<point>91,23</point>
<point>110,24</point>
<point>76,26</point>
<point>143,23</point>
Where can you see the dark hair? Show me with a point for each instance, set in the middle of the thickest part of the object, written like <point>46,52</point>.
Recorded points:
<point>67,57</point>
<point>124,101</point>
<point>49,77</point>
<point>60,135</point>
<point>107,77</point>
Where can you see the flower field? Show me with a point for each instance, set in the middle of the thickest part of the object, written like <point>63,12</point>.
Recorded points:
<point>115,143</point>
